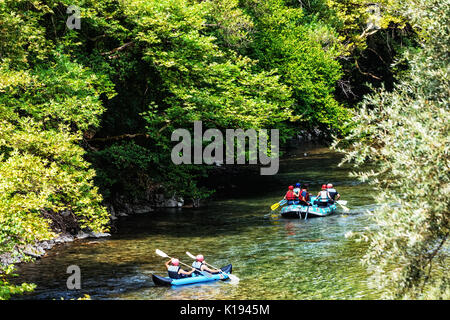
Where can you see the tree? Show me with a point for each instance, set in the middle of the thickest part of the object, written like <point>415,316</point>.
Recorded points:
<point>403,134</point>
<point>304,50</point>
<point>46,101</point>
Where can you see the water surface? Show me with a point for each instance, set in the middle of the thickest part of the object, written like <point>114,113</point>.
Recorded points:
<point>275,258</point>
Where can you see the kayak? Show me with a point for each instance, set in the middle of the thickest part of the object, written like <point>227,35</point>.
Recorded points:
<point>195,278</point>
<point>298,210</point>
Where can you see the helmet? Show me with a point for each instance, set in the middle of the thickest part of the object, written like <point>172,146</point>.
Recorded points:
<point>329,186</point>
<point>175,262</point>
<point>298,185</point>
<point>291,187</point>
<point>200,257</point>
<point>324,186</point>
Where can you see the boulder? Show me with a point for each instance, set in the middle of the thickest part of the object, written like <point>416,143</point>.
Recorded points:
<point>99,234</point>
<point>64,238</point>
<point>34,251</point>
<point>82,235</point>
<point>142,208</point>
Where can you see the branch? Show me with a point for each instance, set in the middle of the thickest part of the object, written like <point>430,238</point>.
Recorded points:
<point>120,137</point>
<point>366,73</point>
<point>346,88</point>
<point>378,55</point>
<point>366,32</point>
<point>97,37</point>
<point>128,44</point>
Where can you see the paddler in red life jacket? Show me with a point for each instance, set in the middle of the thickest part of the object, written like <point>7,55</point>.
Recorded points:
<point>199,264</point>
<point>174,270</point>
<point>304,195</point>
<point>290,195</point>
<point>333,193</point>
<point>323,197</point>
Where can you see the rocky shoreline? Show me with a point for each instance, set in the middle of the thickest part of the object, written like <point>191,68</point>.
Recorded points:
<point>39,249</point>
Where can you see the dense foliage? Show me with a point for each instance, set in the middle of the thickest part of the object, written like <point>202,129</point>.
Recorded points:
<point>304,50</point>
<point>404,134</point>
<point>86,115</point>
<point>46,101</point>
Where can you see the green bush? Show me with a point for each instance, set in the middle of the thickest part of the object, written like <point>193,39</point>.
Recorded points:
<point>404,134</point>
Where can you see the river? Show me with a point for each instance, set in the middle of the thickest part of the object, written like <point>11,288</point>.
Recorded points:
<point>275,258</point>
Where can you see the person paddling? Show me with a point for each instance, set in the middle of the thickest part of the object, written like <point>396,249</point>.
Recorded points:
<point>199,264</point>
<point>290,195</point>
<point>323,196</point>
<point>304,195</point>
<point>297,193</point>
<point>334,195</point>
<point>175,271</point>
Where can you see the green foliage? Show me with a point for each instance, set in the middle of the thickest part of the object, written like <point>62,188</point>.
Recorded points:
<point>229,24</point>
<point>180,66</point>
<point>7,289</point>
<point>203,81</point>
<point>372,35</point>
<point>110,95</point>
<point>46,100</point>
<point>123,168</point>
<point>304,51</point>
<point>404,133</point>
<point>355,20</point>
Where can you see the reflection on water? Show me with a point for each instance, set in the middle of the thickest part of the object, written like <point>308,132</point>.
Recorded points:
<point>275,258</point>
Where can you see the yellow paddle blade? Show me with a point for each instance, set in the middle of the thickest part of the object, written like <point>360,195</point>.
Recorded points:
<point>275,205</point>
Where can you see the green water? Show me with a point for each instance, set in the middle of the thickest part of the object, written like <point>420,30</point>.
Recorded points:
<point>275,258</point>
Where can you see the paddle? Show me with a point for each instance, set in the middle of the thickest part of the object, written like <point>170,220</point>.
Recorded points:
<point>276,205</point>
<point>232,277</point>
<point>342,203</point>
<point>164,255</point>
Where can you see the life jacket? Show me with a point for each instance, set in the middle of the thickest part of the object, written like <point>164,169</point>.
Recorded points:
<point>323,196</point>
<point>332,193</point>
<point>297,190</point>
<point>197,265</point>
<point>173,272</point>
<point>290,195</point>
<point>305,195</point>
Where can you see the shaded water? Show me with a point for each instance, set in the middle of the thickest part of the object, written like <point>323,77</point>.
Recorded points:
<point>275,258</point>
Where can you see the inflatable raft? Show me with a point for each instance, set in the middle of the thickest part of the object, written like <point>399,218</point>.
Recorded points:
<point>195,278</point>
<point>297,210</point>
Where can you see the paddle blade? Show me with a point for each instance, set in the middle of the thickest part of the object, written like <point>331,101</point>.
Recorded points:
<point>161,254</point>
<point>190,255</point>
<point>343,202</point>
<point>233,279</point>
<point>279,203</point>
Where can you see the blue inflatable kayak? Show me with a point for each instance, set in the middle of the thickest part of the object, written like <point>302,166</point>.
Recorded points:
<point>314,210</point>
<point>195,278</point>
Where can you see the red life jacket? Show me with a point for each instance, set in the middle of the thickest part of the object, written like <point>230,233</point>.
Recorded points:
<point>290,195</point>
<point>304,195</point>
